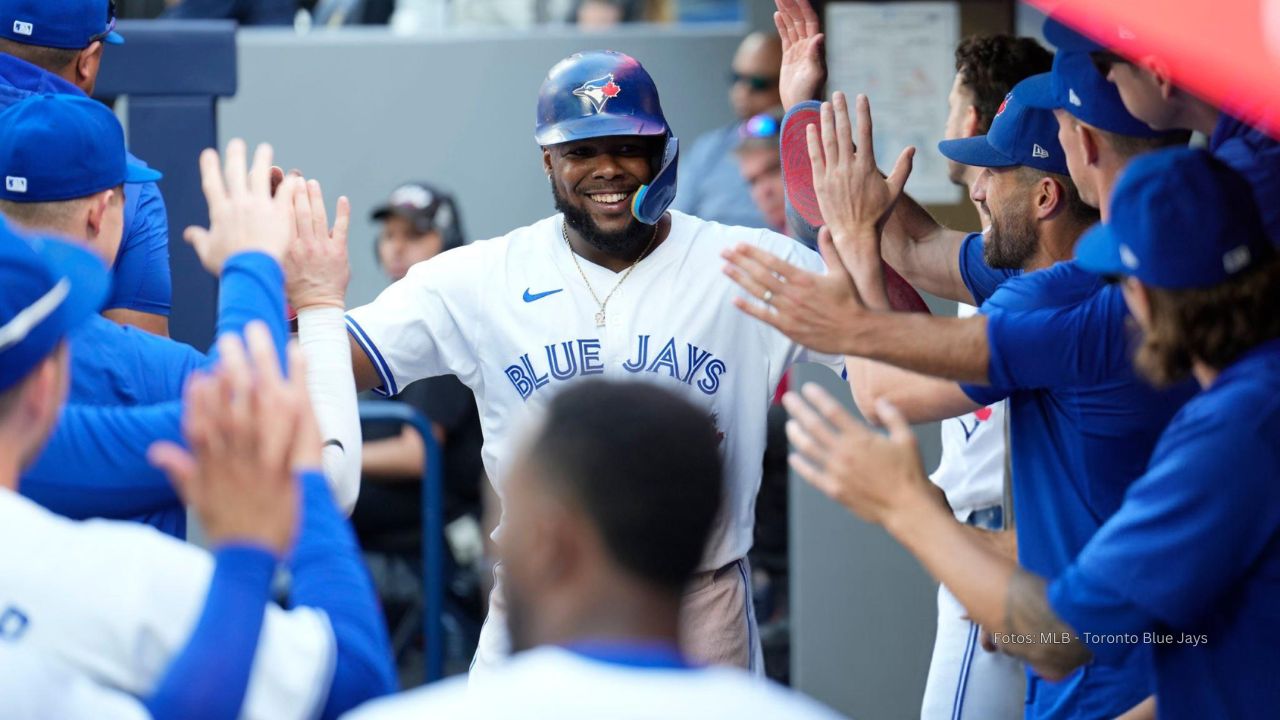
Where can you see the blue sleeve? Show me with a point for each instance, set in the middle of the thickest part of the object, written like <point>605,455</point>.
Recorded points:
<point>1180,526</point>
<point>1078,345</point>
<point>1100,616</point>
<point>252,288</point>
<point>141,272</point>
<point>981,279</point>
<point>95,463</point>
<point>329,575</point>
<point>208,679</point>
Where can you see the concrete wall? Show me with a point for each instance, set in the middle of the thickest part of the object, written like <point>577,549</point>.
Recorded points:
<point>362,111</point>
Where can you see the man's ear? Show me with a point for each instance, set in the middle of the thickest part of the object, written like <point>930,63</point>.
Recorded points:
<point>1138,300</point>
<point>86,66</point>
<point>971,127</point>
<point>546,162</point>
<point>97,211</point>
<point>1158,69</point>
<point>1088,142</point>
<point>1050,197</point>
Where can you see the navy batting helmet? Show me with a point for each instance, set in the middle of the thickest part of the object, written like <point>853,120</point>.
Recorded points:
<point>601,93</point>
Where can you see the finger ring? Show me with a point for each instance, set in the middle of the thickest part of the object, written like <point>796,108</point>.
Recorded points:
<point>767,297</point>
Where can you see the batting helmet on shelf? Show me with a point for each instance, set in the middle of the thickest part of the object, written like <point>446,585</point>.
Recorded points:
<point>602,93</point>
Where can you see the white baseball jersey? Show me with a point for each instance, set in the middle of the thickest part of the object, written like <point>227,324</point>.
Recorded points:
<point>551,682</point>
<point>43,689</point>
<point>971,471</point>
<point>514,320</point>
<point>114,602</point>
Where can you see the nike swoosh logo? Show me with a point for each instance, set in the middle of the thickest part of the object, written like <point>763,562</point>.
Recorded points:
<point>530,297</point>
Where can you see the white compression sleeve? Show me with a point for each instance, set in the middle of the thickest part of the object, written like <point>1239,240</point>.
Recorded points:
<point>322,333</point>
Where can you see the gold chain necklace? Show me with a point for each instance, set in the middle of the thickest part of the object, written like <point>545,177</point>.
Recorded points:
<point>564,232</point>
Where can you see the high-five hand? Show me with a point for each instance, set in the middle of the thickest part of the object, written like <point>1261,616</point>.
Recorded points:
<point>872,475</point>
<point>316,268</point>
<point>804,68</point>
<point>819,312</point>
<point>243,216</point>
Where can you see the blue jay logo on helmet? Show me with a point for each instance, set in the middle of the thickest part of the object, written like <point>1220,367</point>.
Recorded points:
<point>599,91</point>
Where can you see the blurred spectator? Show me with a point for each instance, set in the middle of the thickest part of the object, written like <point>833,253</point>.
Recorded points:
<point>420,221</point>
<point>711,184</point>
<point>761,166</point>
<point>246,12</point>
<point>335,13</point>
<point>598,14</point>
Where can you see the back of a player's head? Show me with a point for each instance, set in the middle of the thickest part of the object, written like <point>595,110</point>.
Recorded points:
<point>65,38</point>
<point>990,65</point>
<point>643,465</point>
<point>47,288</point>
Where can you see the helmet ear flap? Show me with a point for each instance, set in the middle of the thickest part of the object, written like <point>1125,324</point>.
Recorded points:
<point>652,200</point>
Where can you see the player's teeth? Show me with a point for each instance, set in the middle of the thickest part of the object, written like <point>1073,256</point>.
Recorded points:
<point>610,198</point>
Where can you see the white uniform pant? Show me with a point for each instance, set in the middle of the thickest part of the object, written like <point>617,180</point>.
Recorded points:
<point>965,681</point>
<point>717,623</point>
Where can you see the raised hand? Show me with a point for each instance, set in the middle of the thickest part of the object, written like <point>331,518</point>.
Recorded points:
<point>852,194</point>
<point>871,474</point>
<point>317,270</point>
<point>804,67</point>
<point>242,424</point>
<point>243,215</point>
<point>819,312</point>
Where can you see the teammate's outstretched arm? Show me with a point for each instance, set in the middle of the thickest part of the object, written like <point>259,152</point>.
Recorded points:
<point>826,313</point>
<point>880,478</point>
<point>317,272</point>
<point>242,424</point>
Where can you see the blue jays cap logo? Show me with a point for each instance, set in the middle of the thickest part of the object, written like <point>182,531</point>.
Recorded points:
<point>599,91</point>
<point>1003,103</point>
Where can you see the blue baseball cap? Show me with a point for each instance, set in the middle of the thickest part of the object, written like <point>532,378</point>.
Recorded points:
<point>1066,39</point>
<point>1180,219</point>
<point>60,147</point>
<point>47,289</point>
<point>66,24</point>
<point>1019,135</point>
<point>1075,85</point>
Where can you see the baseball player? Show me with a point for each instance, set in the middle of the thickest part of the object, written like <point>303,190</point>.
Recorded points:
<point>604,533</point>
<point>64,160</point>
<point>146,591</point>
<point>964,680</point>
<point>1186,568</point>
<point>1156,100</point>
<point>613,285</point>
<point>1075,447</point>
<point>57,47</point>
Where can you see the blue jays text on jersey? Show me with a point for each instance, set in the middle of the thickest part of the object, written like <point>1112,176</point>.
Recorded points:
<point>565,360</point>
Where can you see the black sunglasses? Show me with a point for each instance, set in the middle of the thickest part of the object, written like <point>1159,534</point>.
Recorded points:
<point>757,83</point>
<point>111,23</point>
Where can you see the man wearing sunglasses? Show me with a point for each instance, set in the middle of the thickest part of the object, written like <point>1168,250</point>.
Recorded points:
<point>56,47</point>
<point>711,184</point>
<point>761,167</point>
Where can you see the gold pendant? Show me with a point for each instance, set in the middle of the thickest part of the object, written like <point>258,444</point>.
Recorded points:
<point>600,319</point>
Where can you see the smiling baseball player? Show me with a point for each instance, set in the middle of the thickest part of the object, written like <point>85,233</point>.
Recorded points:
<point>613,285</point>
